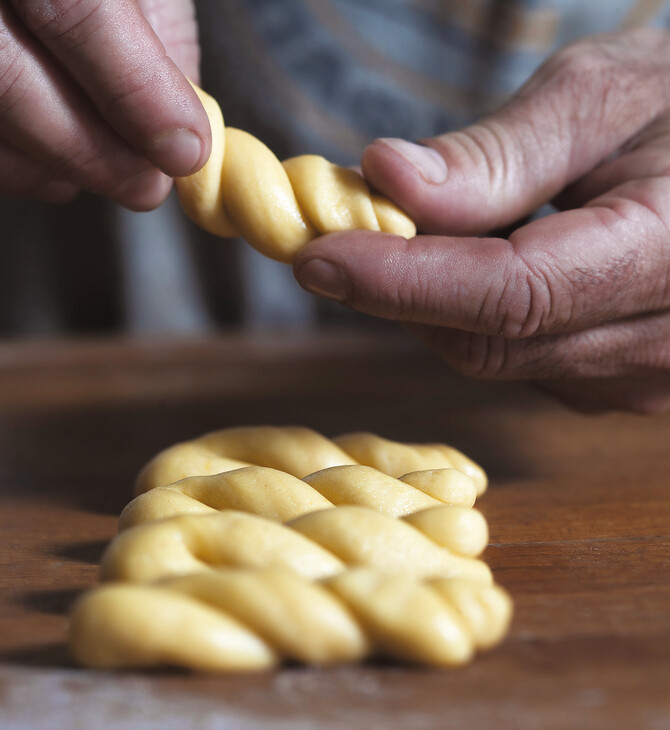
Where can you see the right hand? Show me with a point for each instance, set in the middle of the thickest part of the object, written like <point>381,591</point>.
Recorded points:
<point>94,96</point>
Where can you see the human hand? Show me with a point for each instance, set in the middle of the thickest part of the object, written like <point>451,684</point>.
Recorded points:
<point>578,301</point>
<point>94,96</point>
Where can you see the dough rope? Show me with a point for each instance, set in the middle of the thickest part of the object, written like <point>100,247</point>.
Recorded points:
<point>221,622</point>
<point>431,543</point>
<point>280,496</point>
<point>244,190</point>
<point>300,451</point>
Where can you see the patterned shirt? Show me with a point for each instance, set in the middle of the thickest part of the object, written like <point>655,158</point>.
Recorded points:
<point>328,76</point>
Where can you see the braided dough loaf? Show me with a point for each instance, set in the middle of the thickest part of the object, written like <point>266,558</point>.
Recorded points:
<point>292,545</point>
<point>243,189</point>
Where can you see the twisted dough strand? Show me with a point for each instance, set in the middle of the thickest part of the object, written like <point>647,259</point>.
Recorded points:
<point>243,189</point>
<point>315,545</point>
<point>300,451</point>
<point>280,496</point>
<point>219,621</point>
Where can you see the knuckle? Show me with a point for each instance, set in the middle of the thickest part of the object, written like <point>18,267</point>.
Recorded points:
<point>605,78</point>
<point>526,305</point>
<point>581,60</point>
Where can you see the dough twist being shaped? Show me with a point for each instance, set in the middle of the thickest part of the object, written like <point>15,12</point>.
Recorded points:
<point>279,496</point>
<point>316,545</point>
<point>220,621</point>
<point>243,189</point>
<point>299,451</point>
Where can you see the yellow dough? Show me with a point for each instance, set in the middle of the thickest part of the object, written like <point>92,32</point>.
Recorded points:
<point>280,496</point>
<point>316,545</point>
<point>244,190</point>
<point>251,545</point>
<point>250,620</point>
<point>300,451</point>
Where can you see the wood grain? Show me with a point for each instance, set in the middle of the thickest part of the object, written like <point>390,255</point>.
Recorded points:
<point>579,512</point>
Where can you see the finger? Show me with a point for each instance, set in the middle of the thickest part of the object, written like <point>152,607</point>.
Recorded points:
<point>647,156</point>
<point>564,272</point>
<point>46,118</point>
<point>634,347</point>
<point>114,54</point>
<point>21,177</point>
<point>579,108</point>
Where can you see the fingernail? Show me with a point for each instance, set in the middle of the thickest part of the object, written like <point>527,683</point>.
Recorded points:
<point>177,152</point>
<point>323,279</point>
<point>427,161</point>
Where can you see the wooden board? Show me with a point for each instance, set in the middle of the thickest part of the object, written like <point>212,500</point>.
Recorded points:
<point>578,508</point>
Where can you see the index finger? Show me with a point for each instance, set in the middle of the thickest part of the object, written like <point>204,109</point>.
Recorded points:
<point>561,273</point>
<point>111,50</point>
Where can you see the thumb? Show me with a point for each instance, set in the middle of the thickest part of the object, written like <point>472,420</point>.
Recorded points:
<point>577,110</point>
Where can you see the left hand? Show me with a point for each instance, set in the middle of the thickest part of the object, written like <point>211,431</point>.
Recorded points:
<point>578,301</point>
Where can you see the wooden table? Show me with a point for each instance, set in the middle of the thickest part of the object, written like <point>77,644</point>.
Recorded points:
<point>579,513</point>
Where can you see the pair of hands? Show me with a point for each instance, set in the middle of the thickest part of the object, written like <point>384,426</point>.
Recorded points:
<point>94,96</point>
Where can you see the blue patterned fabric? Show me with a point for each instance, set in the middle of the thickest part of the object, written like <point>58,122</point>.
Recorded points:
<point>328,76</point>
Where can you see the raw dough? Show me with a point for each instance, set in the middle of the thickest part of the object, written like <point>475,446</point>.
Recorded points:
<point>300,451</point>
<point>250,620</point>
<point>250,545</point>
<point>243,189</point>
<point>433,543</point>
<point>280,496</point>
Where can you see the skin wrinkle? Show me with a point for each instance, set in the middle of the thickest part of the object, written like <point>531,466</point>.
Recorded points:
<point>39,16</point>
<point>497,171</point>
<point>514,316</point>
<point>10,89</point>
<point>542,147</point>
<point>540,307</point>
<point>523,317</point>
<point>409,281</point>
<point>603,351</point>
<point>141,77</point>
<point>493,357</point>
